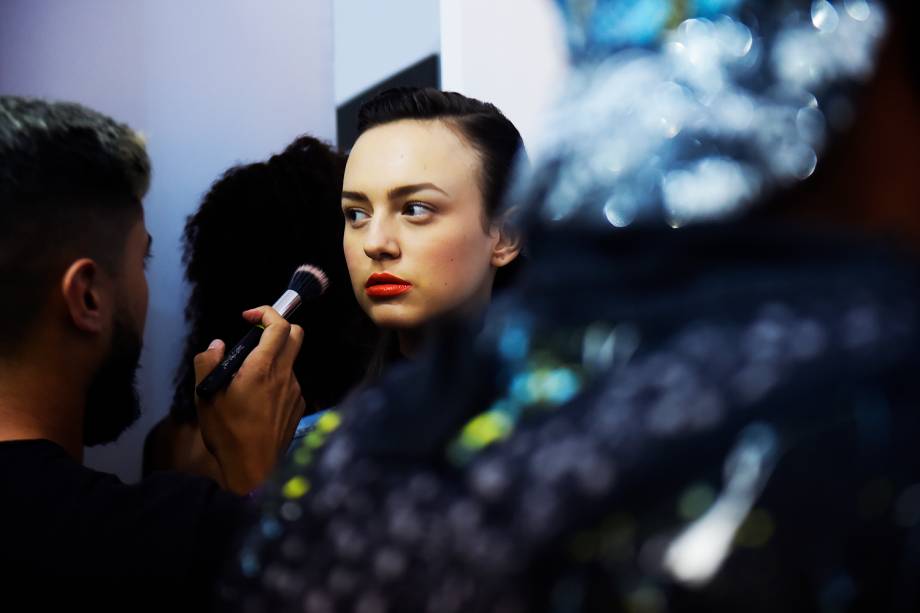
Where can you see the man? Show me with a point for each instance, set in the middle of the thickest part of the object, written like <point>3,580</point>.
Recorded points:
<point>73,246</point>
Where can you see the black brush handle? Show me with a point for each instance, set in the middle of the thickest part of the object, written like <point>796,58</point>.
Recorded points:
<point>220,376</point>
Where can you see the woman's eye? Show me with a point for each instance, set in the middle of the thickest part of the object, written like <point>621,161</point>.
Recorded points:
<point>355,215</point>
<point>416,209</point>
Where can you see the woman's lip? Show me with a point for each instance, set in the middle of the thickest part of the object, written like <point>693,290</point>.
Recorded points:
<point>387,290</point>
<point>385,285</point>
<point>384,278</point>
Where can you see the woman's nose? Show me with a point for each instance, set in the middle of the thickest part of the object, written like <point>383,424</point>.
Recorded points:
<point>380,241</point>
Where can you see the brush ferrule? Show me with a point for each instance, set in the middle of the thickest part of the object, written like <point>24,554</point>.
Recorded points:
<point>288,303</point>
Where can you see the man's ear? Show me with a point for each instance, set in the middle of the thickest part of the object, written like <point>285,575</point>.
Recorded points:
<point>84,297</point>
<point>508,246</point>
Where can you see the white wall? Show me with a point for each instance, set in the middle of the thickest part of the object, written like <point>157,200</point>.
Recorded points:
<point>507,52</point>
<point>376,38</point>
<point>211,83</point>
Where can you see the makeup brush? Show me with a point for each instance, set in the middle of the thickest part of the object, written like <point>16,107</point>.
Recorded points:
<point>308,282</point>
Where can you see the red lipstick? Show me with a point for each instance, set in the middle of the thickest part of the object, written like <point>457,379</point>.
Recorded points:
<point>385,285</point>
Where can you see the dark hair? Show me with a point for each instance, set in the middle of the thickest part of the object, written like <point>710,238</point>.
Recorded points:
<point>285,212</point>
<point>71,185</point>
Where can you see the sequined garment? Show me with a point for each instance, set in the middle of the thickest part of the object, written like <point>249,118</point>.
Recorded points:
<point>685,111</point>
<point>720,419</point>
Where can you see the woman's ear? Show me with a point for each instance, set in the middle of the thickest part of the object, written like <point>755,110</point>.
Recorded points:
<point>508,246</point>
<point>83,297</point>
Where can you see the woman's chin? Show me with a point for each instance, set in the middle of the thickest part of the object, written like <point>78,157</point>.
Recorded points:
<point>396,317</point>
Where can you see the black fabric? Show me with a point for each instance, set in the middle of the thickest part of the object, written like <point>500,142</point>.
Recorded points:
<point>70,534</point>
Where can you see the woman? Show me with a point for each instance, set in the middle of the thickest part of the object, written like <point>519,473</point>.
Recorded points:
<point>425,238</point>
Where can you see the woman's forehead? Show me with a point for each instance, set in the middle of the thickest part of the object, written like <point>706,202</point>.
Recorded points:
<point>410,152</point>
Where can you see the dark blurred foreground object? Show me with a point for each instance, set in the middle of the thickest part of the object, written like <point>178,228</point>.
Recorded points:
<point>690,403</point>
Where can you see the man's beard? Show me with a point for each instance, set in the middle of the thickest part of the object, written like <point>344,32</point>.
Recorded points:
<point>112,404</point>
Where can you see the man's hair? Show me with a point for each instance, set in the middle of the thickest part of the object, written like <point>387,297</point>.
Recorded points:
<point>71,183</point>
<point>480,124</point>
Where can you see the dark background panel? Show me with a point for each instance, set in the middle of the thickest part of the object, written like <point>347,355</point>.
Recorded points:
<point>424,73</point>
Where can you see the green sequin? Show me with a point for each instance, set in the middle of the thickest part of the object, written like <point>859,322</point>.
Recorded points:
<point>295,488</point>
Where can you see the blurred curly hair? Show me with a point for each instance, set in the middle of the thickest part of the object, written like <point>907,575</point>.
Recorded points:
<point>256,224</point>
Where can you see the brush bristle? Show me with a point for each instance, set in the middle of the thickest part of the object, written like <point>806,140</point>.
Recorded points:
<point>309,281</point>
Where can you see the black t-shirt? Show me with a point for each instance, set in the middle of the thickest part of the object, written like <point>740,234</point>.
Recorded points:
<point>74,534</point>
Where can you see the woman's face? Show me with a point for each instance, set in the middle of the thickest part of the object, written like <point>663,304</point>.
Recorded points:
<point>414,238</point>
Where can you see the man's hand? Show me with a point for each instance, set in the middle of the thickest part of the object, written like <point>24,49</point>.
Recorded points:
<point>250,424</point>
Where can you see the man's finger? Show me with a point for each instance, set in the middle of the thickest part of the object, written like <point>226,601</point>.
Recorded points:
<point>291,348</point>
<point>276,331</point>
<point>207,360</point>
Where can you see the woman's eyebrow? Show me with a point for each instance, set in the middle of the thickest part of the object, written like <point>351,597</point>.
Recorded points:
<point>408,190</point>
<point>395,193</point>
<point>358,196</point>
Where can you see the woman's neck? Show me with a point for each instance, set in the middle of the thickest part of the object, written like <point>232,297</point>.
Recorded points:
<point>410,341</point>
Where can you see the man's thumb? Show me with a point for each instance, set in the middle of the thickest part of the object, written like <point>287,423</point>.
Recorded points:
<point>206,361</point>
